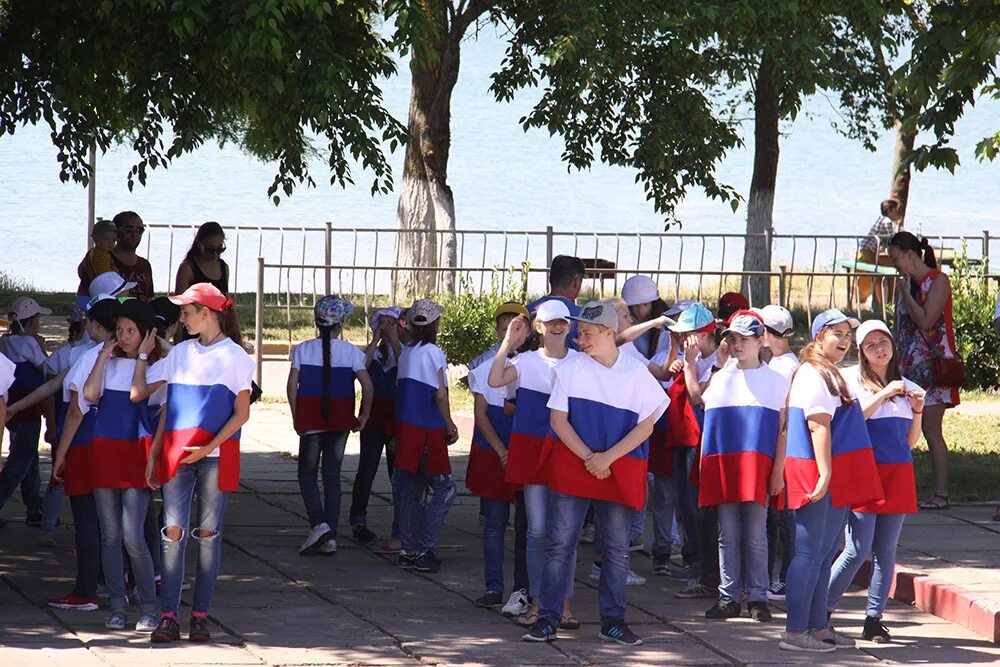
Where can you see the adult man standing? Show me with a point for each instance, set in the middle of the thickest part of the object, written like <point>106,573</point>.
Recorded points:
<point>565,282</point>
<point>132,267</point>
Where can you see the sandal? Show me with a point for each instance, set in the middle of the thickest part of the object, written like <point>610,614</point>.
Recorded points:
<point>570,622</point>
<point>528,619</point>
<point>935,503</point>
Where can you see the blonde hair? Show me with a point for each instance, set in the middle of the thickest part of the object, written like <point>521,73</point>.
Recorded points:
<point>812,354</point>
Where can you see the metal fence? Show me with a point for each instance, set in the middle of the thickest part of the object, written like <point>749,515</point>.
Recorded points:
<point>359,261</point>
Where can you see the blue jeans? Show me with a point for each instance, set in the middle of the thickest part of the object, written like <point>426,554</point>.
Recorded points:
<point>818,527</point>
<point>496,515</point>
<point>685,500</point>
<point>122,514</point>
<point>780,529</point>
<point>328,445</point>
<point>373,442</point>
<point>21,467</point>
<point>52,507</point>
<point>565,519</point>
<point>151,530</point>
<point>87,532</point>
<point>521,581</point>
<point>536,507</point>
<point>202,477</point>
<point>662,505</point>
<point>868,533</point>
<point>743,549</point>
<point>420,520</point>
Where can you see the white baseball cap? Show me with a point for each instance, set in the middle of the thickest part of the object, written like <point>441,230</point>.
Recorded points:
<point>550,310</point>
<point>830,317</point>
<point>24,307</point>
<point>778,320</point>
<point>111,284</point>
<point>870,326</point>
<point>639,289</point>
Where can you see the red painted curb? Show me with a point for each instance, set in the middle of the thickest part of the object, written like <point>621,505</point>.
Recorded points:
<point>973,610</point>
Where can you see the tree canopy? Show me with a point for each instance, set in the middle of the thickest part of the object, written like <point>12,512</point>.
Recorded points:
<point>287,79</point>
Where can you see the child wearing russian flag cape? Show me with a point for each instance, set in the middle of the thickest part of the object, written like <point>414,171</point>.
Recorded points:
<point>424,431</point>
<point>603,407</point>
<point>196,449</point>
<point>529,377</point>
<point>742,460</point>
<point>321,397</point>
<point>484,476</point>
<point>893,407</point>
<point>829,466</point>
<point>118,461</point>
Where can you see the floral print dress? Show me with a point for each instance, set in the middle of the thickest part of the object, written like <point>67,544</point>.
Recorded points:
<point>917,350</point>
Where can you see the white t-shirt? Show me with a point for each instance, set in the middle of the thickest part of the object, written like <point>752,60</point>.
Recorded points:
<point>536,371</point>
<point>422,363</point>
<point>784,364</point>
<point>22,348</point>
<point>78,373</point>
<point>6,375</point>
<point>307,358</point>
<point>897,406</point>
<point>809,392</point>
<point>478,384</point>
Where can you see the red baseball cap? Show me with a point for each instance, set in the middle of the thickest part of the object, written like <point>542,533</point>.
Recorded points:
<point>734,300</point>
<point>204,294</point>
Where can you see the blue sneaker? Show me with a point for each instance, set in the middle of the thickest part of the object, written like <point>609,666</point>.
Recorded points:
<point>541,631</point>
<point>617,631</point>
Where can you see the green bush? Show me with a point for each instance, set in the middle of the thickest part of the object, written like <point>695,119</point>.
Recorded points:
<point>972,309</point>
<point>467,326</point>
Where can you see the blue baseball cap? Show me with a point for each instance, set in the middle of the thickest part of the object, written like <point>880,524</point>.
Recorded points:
<point>694,318</point>
<point>830,317</point>
<point>745,324</point>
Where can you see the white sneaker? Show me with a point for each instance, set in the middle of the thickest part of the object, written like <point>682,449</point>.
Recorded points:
<point>804,641</point>
<point>834,638</point>
<point>635,544</point>
<point>328,548</point>
<point>634,579</point>
<point>517,604</point>
<point>317,538</point>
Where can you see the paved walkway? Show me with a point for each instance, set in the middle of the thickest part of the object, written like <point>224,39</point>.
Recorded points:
<point>274,607</point>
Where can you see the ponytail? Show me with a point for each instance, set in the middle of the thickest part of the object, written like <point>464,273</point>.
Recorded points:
<point>16,328</point>
<point>835,382</point>
<point>921,246</point>
<point>324,406</point>
<point>928,255</point>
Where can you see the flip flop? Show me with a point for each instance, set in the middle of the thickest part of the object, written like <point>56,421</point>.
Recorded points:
<point>933,504</point>
<point>527,620</point>
<point>569,623</point>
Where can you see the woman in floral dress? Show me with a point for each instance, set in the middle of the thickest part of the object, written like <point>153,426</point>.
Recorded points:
<point>925,331</point>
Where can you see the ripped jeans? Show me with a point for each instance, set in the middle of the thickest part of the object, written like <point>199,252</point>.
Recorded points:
<point>178,494</point>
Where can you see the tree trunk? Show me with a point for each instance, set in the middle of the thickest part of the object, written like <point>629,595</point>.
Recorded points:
<point>760,209</point>
<point>900,188</point>
<point>425,214</point>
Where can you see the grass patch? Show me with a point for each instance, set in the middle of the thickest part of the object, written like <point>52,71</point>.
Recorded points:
<point>973,455</point>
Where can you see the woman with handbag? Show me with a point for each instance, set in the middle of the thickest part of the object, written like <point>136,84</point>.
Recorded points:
<point>925,333</point>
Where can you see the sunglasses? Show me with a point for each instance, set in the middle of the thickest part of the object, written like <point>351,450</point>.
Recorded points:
<point>214,249</point>
<point>132,230</point>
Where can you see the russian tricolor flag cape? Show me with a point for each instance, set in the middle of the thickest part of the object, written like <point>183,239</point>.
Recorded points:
<point>604,405</point>
<point>382,371</point>
<point>742,420</point>
<point>28,358</point>
<point>77,470</point>
<point>202,385</point>
<point>888,428</point>
<point>117,453</point>
<point>535,377</point>
<point>7,368</point>
<point>854,476</point>
<point>345,360</point>
<point>419,426</point>
<point>484,475</point>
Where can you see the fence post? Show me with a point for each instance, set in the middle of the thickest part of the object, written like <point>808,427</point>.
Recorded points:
<point>782,301</point>
<point>258,335</point>
<point>986,252</point>
<point>328,257</point>
<point>548,247</point>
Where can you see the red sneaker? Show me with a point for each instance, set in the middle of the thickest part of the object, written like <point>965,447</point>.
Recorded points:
<point>75,602</point>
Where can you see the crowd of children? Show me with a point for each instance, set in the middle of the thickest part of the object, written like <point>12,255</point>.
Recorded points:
<point>741,451</point>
